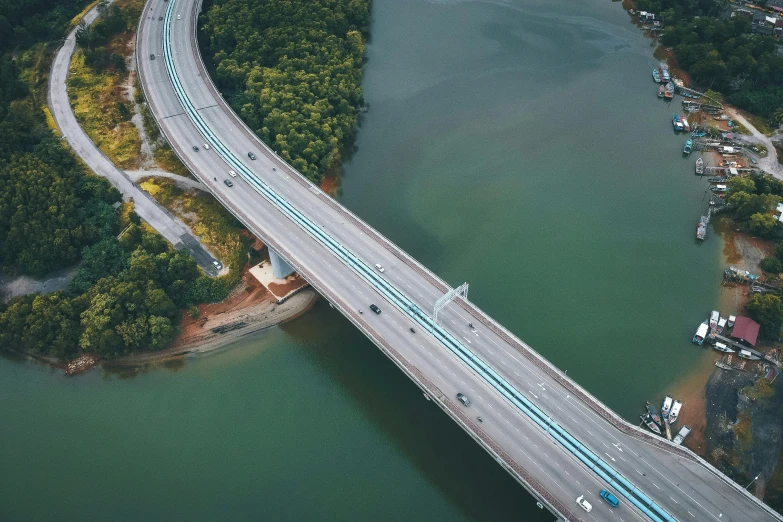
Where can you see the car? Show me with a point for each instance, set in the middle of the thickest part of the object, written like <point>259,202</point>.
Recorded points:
<point>206,146</point>
<point>461,397</point>
<point>179,17</point>
<point>585,504</point>
<point>375,309</point>
<point>251,155</point>
<point>232,173</point>
<point>380,268</point>
<point>152,57</point>
<point>217,264</point>
<point>195,148</point>
<point>609,498</point>
<point>160,19</point>
<point>228,182</point>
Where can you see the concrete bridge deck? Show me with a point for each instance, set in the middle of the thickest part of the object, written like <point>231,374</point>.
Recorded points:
<point>328,246</point>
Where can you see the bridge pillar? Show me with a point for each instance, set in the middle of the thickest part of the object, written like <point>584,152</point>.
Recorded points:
<point>280,268</point>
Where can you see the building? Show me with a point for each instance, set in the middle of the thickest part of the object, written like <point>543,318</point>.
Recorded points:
<point>745,331</point>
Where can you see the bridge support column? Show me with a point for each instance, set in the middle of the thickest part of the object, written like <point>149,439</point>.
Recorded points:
<point>280,268</point>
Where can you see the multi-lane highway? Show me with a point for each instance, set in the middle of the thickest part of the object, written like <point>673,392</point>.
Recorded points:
<point>548,432</point>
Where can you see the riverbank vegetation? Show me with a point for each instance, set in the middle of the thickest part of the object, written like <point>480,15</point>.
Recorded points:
<point>751,200</point>
<point>131,286</point>
<point>293,71</point>
<point>97,78</point>
<point>722,53</point>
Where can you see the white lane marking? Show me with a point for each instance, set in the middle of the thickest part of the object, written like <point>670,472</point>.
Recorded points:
<point>656,485</point>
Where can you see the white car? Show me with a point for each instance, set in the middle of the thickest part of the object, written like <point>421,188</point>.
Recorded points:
<point>179,17</point>
<point>232,173</point>
<point>585,504</point>
<point>380,268</point>
<point>206,146</point>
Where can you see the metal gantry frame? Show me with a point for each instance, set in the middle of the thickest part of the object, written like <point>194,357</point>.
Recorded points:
<point>442,302</point>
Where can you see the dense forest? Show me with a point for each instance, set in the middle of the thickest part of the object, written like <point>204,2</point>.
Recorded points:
<point>130,287</point>
<point>722,53</point>
<point>293,71</point>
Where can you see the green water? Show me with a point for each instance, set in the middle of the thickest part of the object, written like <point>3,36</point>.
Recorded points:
<point>517,146</point>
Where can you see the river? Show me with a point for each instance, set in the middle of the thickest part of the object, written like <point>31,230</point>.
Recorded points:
<point>515,145</point>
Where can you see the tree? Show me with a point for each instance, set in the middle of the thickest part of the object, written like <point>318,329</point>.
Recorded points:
<point>762,224</point>
<point>766,310</point>
<point>741,184</point>
<point>771,265</point>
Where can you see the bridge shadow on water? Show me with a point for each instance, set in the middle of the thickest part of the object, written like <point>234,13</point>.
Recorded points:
<point>431,441</point>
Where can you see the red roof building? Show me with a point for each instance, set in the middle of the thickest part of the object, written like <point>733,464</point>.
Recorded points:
<point>745,330</point>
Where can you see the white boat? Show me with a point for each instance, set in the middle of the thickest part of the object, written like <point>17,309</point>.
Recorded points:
<point>675,412</point>
<point>714,318</point>
<point>732,319</point>
<point>699,166</point>
<point>723,348</point>
<point>666,407</point>
<point>746,354</point>
<point>684,432</point>
<point>701,333</point>
<point>721,325</point>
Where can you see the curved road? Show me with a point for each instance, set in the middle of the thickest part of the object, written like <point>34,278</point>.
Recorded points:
<point>145,206</point>
<point>673,477</point>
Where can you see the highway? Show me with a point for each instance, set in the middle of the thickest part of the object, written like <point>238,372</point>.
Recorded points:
<point>336,252</point>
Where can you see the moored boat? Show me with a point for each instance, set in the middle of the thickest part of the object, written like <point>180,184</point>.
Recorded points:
<point>721,347</point>
<point>665,74</point>
<point>699,166</point>
<point>721,325</point>
<point>661,91</point>
<point>685,125</point>
<point>688,147</point>
<point>666,407</point>
<point>701,230</point>
<point>676,123</point>
<point>732,318</point>
<point>656,76</point>
<point>718,180</point>
<point>650,424</point>
<point>668,92</point>
<point>653,413</point>
<point>675,412</point>
<point>747,354</point>
<point>684,432</point>
<point>714,318</point>
<point>701,333</point>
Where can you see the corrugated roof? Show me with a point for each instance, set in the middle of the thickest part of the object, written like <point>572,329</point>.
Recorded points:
<point>746,329</point>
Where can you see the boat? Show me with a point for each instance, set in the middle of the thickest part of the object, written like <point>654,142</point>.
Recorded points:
<point>701,230</point>
<point>699,166</point>
<point>684,432</point>
<point>650,424</point>
<point>721,325</point>
<point>675,412</point>
<point>699,134</point>
<point>684,122</point>
<point>747,354</point>
<point>732,318</point>
<point>714,318</point>
<point>688,147</point>
<point>718,180</point>
<point>701,333</point>
<point>656,76</point>
<point>721,347</point>
<point>723,366</point>
<point>665,75</point>
<point>653,413</point>
<point>631,12</point>
<point>668,92</point>
<point>676,123</point>
<point>719,188</point>
<point>666,407</point>
<point>661,91</point>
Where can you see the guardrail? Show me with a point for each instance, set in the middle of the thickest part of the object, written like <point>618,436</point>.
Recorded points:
<point>405,305</point>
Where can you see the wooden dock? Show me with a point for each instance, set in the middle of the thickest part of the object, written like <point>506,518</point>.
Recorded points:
<point>739,347</point>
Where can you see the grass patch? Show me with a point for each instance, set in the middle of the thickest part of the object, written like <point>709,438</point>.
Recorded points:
<point>764,126</point>
<point>761,392</point>
<point>100,106</point>
<point>738,128</point>
<point>743,430</point>
<point>210,221</point>
<point>50,123</point>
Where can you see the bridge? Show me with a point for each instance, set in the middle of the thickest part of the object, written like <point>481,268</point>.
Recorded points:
<point>549,433</point>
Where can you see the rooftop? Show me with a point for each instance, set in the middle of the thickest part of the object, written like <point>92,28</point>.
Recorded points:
<point>745,330</point>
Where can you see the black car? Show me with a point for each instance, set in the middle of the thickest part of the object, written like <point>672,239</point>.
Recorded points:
<point>152,57</point>
<point>195,148</point>
<point>228,182</point>
<point>375,309</point>
<point>251,155</point>
<point>160,19</point>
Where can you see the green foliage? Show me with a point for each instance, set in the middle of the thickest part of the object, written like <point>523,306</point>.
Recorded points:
<point>762,224</point>
<point>23,22</point>
<point>766,310</point>
<point>771,265</point>
<point>722,53</point>
<point>293,71</point>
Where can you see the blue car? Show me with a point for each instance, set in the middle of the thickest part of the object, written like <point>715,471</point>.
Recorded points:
<point>610,499</point>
